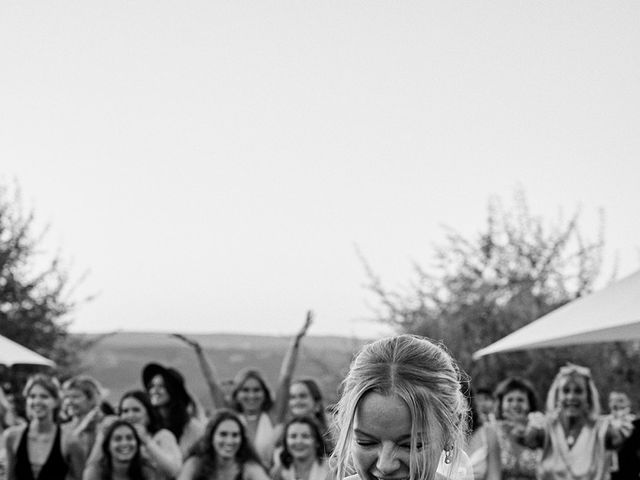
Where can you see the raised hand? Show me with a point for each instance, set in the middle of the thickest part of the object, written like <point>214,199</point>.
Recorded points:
<point>536,420</point>
<point>623,424</point>
<point>307,323</point>
<point>189,341</point>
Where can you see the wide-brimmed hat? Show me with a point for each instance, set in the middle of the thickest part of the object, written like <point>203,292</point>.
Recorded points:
<point>174,381</point>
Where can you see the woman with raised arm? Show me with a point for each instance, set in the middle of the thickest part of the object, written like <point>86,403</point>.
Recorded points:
<point>401,414</point>
<point>251,397</point>
<point>573,435</point>
<point>303,455</point>
<point>41,449</point>
<point>224,452</point>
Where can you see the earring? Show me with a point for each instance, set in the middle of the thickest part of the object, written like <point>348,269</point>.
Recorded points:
<point>448,454</point>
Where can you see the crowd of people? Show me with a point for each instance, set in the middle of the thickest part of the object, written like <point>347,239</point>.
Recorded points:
<point>404,413</point>
<point>571,438</point>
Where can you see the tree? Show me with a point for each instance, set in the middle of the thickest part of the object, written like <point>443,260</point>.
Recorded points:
<point>36,295</point>
<point>480,289</point>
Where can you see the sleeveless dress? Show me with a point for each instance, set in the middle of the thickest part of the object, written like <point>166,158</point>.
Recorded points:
<point>54,468</point>
<point>265,439</point>
<point>586,460</point>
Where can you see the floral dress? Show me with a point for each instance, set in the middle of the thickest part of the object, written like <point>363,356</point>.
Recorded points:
<point>517,462</point>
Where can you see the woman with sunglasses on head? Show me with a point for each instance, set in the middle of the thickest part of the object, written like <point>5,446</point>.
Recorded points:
<point>224,452</point>
<point>303,455</point>
<point>252,398</point>
<point>573,436</point>
<point>120,457</point>
<point>158,446</point>
<point>42,449</point>
<point>401,414</point>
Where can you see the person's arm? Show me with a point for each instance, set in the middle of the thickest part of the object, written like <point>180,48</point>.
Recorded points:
<point>9,438</point>
<point>96,451</point>
<point>274,473</point>
<point>75,456</point>
<point>92,472</point>
<point>494,468</point>
<point>90,422</point>
<point>534,432</point>
<point>618,429</point>
<point>189,469</point>
<point>208,371</point>
<point>254,471</point>
<point>286,372</point>
<point>163,450</point>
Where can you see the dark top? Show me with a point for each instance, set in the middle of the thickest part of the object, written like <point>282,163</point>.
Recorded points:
<point>55,468</point>
<point>629,456</point>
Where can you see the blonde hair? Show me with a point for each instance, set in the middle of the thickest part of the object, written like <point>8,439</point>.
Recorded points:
<point>50,384</point>
<point>573,371</point>
<point>427,379</point>
<point>88,385</point>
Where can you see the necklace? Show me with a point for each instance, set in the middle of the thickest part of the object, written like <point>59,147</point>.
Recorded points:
<point>572,435</point>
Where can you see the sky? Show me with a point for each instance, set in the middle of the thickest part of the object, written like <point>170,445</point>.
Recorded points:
<point>215,166</point>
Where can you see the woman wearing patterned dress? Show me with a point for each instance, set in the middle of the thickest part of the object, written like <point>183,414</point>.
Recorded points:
<point>515,398</point>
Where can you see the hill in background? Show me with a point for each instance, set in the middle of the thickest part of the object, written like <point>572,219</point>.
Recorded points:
<point>117,360</point>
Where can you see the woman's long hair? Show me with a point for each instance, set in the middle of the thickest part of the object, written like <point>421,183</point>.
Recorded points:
<point>316,395</point>
<point>515,384</point>
<point>321,450</point>
<point>50,384</point>
<point>143,398</point>
<point>179,407</point>
<point>204,451</point>
<point>241,377</point>
<point>576,371</point>
<point>135,470</point>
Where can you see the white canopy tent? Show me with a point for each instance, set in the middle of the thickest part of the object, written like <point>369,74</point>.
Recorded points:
<point>12,353</point>
<point>611,314</point>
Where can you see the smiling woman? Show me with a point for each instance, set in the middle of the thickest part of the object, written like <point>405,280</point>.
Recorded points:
<point>177,410</point>
<point>401,413</point>
<point>42,449</point>
<point>573,435</point>
<point>158,446</point>
<point>514,461</point>
<point>303,454</point>
<point>224,452</point>
<point>262,412</point>
<point>121,458</point>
